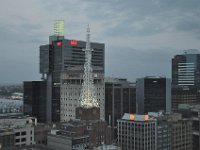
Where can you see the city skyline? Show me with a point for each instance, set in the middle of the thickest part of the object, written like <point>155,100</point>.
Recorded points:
<point>140,37</point>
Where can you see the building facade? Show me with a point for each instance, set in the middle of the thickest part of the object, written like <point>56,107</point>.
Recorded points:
<point>186,68</point>
<point>7,138</point>
<point>192,112</point>
<point>120,98</point>
<point>35,100</point>
<point>184,95</point>
<point>137,132</point>
<point>186,78</point>
<point>153,94</point>
<point>62,66</point>
<point>156,131</point>
<point>22,127</point>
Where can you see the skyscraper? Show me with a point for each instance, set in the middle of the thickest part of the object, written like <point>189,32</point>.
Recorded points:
<point>35,100</point>
<point>153,94</point>
<point>62,66</point>
<point>186,68</point>
<point>120,98</point>
<point>186,78</point>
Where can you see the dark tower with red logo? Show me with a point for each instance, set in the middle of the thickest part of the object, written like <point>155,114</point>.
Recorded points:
<point>61,62</point>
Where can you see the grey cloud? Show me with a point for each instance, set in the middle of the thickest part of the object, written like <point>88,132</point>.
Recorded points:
<point>139,18</point>
<point>132,63</point>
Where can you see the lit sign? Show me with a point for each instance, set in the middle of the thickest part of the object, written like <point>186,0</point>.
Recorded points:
<point>73,42</point>
<point>59,43</point>
<point>132,117</point>
<point>146,117</point>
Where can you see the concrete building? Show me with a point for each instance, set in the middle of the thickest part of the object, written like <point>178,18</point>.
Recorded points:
<point>120,98</point>
<point>7,138</point>
<point>155,131</point>
<point>153,94</point>
<point>79,134</point>
<point>192,112</point>
<point>62,140</point>
<point>30,147</point>
<point>40,133</point>
<point>137,132</point>
<point>23,128</point>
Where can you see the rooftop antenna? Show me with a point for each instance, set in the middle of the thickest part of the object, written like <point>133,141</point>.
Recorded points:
<point>88,96</point>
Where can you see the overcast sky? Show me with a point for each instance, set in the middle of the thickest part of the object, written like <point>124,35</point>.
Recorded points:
<point>141,36</point>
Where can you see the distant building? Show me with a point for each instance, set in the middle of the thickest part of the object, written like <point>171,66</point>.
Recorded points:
<point>35,100</point>
<point>120,98</point>
<point>192,111</point>
<point>186,78</point>
<point>40,132</point>
<point>184,95</point>
<point>186,68</point>
<point>153,94</point>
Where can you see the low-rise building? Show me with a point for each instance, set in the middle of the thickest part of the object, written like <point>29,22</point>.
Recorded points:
<point>7,138</point>
<point>192,112</point>
<point>155,131</point>
<point>22,128</point>
<point>137,132</point>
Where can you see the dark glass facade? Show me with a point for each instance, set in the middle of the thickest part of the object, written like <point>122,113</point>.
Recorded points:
<point>186,69</point>
<point>184,95</point>
<point>186,78</point>
<point>35,103</point>
<point>153,94</point>
<point>120,98</point>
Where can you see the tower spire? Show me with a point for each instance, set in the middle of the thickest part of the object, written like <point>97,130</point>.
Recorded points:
<point>88,98</point>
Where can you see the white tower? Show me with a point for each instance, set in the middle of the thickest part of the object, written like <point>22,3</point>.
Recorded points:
<point>88,95</point>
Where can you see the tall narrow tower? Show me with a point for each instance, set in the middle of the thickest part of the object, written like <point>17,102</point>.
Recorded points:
<point>88,95</point>
<point>89,109</point>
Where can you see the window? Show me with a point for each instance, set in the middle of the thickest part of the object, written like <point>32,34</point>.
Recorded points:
<point>17,134</point>
<point>23,139</point>
<point>23,133</point>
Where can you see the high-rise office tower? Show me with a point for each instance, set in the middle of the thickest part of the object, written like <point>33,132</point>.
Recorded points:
<point>35,100</point>
<point>186,68</point>
<point>186,78</point>
<point>153,94</point>
<point>62,65</point>
<point>120,98</point>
